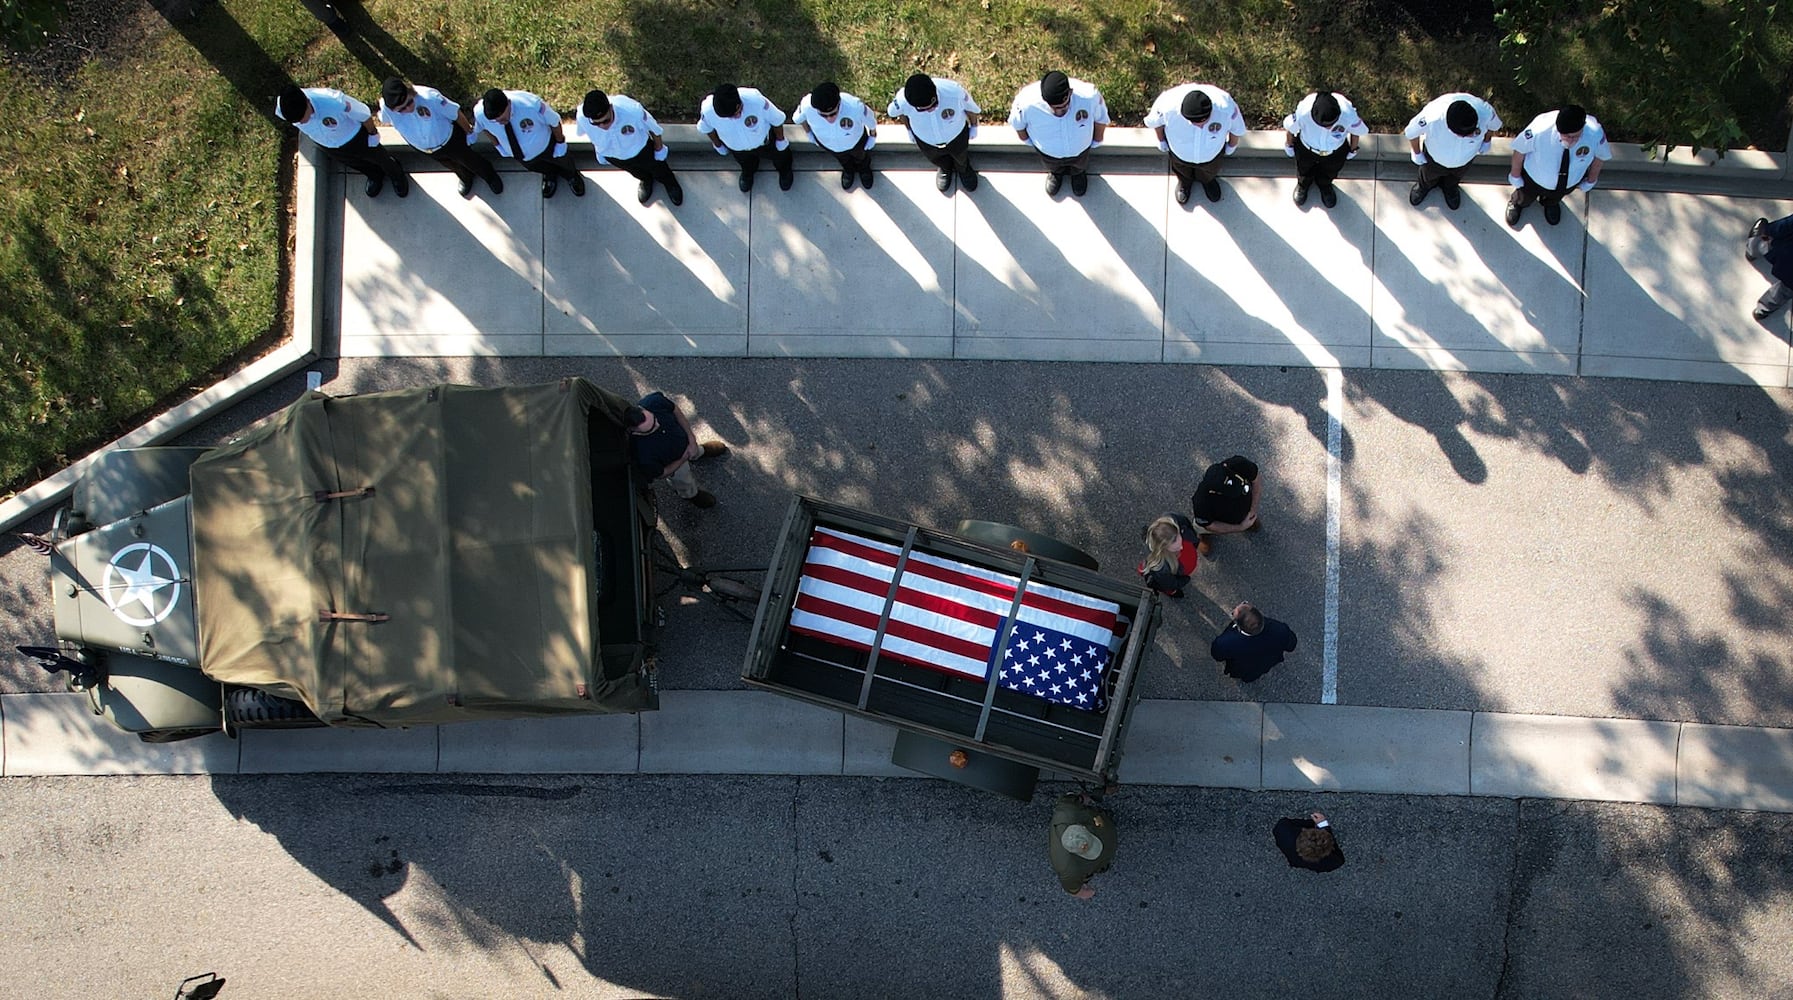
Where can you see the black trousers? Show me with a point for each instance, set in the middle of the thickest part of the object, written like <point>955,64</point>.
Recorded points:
<point>750,159</point>
<point>1319,168</point>
<point>643,167</point>
<point>857,160</point>
<point>955,155</point>
<point>1067,165</point>
<point>1432,175</point>
<point>1533,191</point>
<point>1191,174</point>
<point>372,162</point>
<point>550,165</point>
<point>464,160</point>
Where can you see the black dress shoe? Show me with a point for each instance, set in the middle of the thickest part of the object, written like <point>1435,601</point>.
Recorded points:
<point>846,180</point>
<point>550,184</point>
<point>1553,212</point>
<point>1211,189</point>
<point>1329,195</point>
<point>786,179</point>
<point>644,190</point>
<point>497,184</point>
<point>968,178</point>
<point>375,185</point>
<point>1182,193</point>
<point>1514,208</point>
<point>746,184</point>
<point>466,187</point>
<point>865,178</point>
<point>1416,194</point>
<point>1301,187</point>
<point>675,193</point>
<point>1453,197</point>
<point>944,182</point>
<point>1052,184</point>
<point>401,185</point>
<point>1079,184</point>
<point>578,186</point>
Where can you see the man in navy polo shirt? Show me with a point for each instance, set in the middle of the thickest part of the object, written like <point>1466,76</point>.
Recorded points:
<point>662,444</point>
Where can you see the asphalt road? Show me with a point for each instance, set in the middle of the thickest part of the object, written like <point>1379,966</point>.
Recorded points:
<point>785,887</point>
<point>1510,543</point>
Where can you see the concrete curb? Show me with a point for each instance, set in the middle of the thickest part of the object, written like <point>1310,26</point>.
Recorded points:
<point>1342,748</point>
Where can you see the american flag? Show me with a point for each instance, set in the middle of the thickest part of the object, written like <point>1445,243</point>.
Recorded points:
<point>948,615</point>
<point>43,545</point>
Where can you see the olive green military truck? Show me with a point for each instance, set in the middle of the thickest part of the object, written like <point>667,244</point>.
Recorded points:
<point>423,556</point>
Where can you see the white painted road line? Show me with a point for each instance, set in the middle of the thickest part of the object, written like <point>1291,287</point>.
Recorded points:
<point>1329,657</point>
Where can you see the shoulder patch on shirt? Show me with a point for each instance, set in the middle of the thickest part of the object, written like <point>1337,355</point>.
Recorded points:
<point>1420,123</point>
<point>1527,134</point>
<point>329,122</point>
<point>1338,130</point>
<point>1082,115</point>
<point>946,114</point>
<point>752,120</point>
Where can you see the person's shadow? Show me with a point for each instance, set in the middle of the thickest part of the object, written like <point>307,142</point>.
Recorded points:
<point>237,56</point>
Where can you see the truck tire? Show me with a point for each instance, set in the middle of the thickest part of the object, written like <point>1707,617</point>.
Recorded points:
<point>1002,536</point>
<point>253,708</point>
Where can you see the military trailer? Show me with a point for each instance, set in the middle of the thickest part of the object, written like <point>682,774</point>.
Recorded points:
<point>423,556</point>
<point>994,661</point>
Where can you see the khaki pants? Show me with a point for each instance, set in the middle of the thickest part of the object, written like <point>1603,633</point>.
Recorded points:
<point>683,480</point>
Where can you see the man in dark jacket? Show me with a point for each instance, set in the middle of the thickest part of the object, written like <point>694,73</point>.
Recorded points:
<point>1773,240</point>
<point>1252,644</point>
<point>1309,843</point>
<point>1226,500</point>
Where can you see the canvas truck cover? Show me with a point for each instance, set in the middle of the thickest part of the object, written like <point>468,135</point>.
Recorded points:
<point>418,556</point>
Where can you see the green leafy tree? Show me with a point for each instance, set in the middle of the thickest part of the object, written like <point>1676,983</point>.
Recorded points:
<point>1669,72</point>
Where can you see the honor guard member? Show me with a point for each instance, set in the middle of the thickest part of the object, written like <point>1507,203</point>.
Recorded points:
<point>1196,123</point>
<point>1063,119</point>
<point>344,128</point>
<point>1558,151</point>
<point>528,130</point>
<point>942,119</point>
<point>624,135</point>
<point>1773,240</point>
<point>1322,135</point>
<point>435,125</point>
<point>740,121</point>
<point>844,126</point>
<point>1444,137</point>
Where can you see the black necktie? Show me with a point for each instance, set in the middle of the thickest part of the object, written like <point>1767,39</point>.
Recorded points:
<point>517,147</point>
<point>1562,176</point>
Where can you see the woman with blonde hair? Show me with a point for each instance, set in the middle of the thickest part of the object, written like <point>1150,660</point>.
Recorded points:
<point>1171,552</point>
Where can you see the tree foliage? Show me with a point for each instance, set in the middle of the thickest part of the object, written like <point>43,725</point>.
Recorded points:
<point>1679,66</point>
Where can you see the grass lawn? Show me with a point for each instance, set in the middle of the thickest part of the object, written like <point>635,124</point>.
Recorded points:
<point>140,198</point>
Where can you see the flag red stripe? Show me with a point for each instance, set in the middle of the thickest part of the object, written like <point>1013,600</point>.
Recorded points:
<point>822,608</point>
<point>885,655</point>
<point>1051,605</point>
<point>943,606</point>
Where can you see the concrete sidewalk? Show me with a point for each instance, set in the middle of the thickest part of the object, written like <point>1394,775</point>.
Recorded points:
<point>1636,281</point>
<point>1207,743</point>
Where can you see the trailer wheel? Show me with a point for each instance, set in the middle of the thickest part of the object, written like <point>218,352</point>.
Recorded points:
<point>253,708</point>
<point>173,735</point>
<point>1001,536</point>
